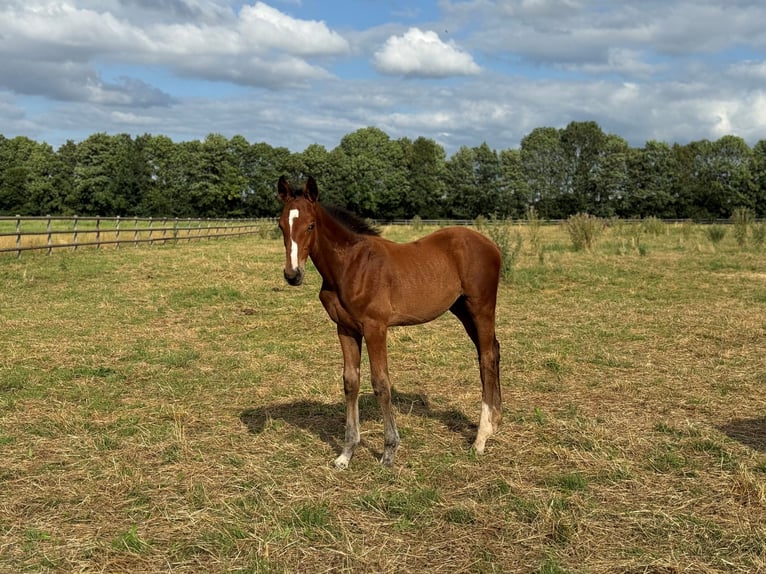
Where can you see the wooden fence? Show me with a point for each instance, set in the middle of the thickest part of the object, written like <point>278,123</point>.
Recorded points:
<point>27,233</point>
<point>20,233</point>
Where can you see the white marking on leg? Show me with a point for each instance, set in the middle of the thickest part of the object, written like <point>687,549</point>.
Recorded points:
<point>485,428</point>
<point>341,463</point>
<point>294,214</point>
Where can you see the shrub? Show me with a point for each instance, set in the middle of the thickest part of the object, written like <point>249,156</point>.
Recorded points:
<point>584,230</point>
<point>509,242</point>
<point>417,223</point>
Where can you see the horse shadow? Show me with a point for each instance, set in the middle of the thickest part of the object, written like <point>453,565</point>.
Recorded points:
<point>749,432</point>
<point>326,420</point>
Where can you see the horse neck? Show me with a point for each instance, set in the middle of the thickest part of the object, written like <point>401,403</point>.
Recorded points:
<point>331,246</point>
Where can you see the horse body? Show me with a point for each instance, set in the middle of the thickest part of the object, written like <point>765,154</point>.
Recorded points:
<point>423,285</point>
<point>370,284</point>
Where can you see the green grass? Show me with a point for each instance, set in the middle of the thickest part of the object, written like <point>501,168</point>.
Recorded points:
<point>177,408</point>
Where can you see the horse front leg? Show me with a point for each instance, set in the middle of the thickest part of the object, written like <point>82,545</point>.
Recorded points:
<point>378,354</point>
<point>351,344</point>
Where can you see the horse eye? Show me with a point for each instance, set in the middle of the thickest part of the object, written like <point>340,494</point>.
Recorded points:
<point>311,227</point>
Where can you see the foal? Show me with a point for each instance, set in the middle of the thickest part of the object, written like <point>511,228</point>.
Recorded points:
<point>370,284</point>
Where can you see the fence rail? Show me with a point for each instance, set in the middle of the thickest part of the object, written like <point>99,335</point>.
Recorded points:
<point>27,233</point>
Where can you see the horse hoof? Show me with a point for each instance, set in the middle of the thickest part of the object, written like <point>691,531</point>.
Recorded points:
<point>387,459</point>
<point>341,463</point>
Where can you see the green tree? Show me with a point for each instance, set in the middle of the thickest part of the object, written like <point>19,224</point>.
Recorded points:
<point>315,161</point>
<point>684,180</point>
<point>610,179</point>
<point>29,182</point>
<point>167,192</point>
<point>489,182</point>
<point>14,175</point>
<point>130,175</point>
<point>427,173</point>
<point>514,191</point>
<point>371,172</point>
<point>217,185</point>
<point>96,190</point>
<point>64,177</point>
<point>758,175</point>
<point>731,184</point>
<point>262,165</point>
<point>649,182</point>
<point>462,189</point>
<point>583,145</point>
<point>544,170</point>
<point>710,179</point>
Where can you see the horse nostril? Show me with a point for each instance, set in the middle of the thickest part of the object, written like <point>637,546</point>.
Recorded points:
<point>294,277</point>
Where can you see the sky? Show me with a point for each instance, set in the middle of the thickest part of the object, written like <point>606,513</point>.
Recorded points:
<point>461,72</point>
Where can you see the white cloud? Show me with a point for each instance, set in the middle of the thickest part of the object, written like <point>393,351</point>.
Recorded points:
<point>262,26</point>
<point>259,46</point>
<point>423,54</point>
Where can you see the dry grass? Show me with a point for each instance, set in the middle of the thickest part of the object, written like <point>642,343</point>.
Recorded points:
<point>177,409</point>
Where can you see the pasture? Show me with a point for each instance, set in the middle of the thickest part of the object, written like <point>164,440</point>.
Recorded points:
<point>178,408</point>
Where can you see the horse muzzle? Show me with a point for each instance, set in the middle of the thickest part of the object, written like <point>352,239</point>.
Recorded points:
<point>294,277</point>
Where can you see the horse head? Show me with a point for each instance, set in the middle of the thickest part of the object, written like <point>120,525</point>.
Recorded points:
<point>297,223</point>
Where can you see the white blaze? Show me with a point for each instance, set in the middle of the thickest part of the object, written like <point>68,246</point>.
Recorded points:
<point>294,213</point>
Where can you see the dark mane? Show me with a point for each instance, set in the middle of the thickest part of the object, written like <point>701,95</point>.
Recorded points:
<point>351,220</point>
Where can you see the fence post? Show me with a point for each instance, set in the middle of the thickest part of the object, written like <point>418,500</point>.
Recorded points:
<point>117,233</point>
<point>18,236</point>
<point>135,232</point>
<point>98,233</point>
<point>48,227</point>
<point>74,237</point>
<point>175,230</point>
<point>151,222</point>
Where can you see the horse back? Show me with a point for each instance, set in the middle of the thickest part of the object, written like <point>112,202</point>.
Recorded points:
<point>418,281</point>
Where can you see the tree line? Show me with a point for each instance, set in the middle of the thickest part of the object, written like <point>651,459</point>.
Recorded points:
<point>560,172</point>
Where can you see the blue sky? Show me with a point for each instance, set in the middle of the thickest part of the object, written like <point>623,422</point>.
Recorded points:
<point>462,72</point>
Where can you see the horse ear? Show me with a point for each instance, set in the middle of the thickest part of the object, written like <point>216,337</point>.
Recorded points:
<point>311,191</point>
<point>284,192</point>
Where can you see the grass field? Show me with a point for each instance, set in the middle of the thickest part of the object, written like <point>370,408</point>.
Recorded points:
<point>177,409</point>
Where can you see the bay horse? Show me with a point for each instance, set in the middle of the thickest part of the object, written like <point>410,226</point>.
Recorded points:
<point>370,284</point>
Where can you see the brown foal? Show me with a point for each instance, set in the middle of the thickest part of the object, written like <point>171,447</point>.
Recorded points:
<point>370,284</point>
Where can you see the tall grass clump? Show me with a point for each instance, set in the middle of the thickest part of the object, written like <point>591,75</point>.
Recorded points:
<point>481,222</point>
<point>417,223</point>
<point>715,233</point>
<point>652,226</point>
<point>533,225</point>
<point>743,219</point>
<point>759,234</point>
<point>584,230</point>
<point>509,241</point>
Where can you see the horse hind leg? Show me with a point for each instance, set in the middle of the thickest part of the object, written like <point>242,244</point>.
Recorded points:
<point>481,329</point>
<point>491,399</point>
